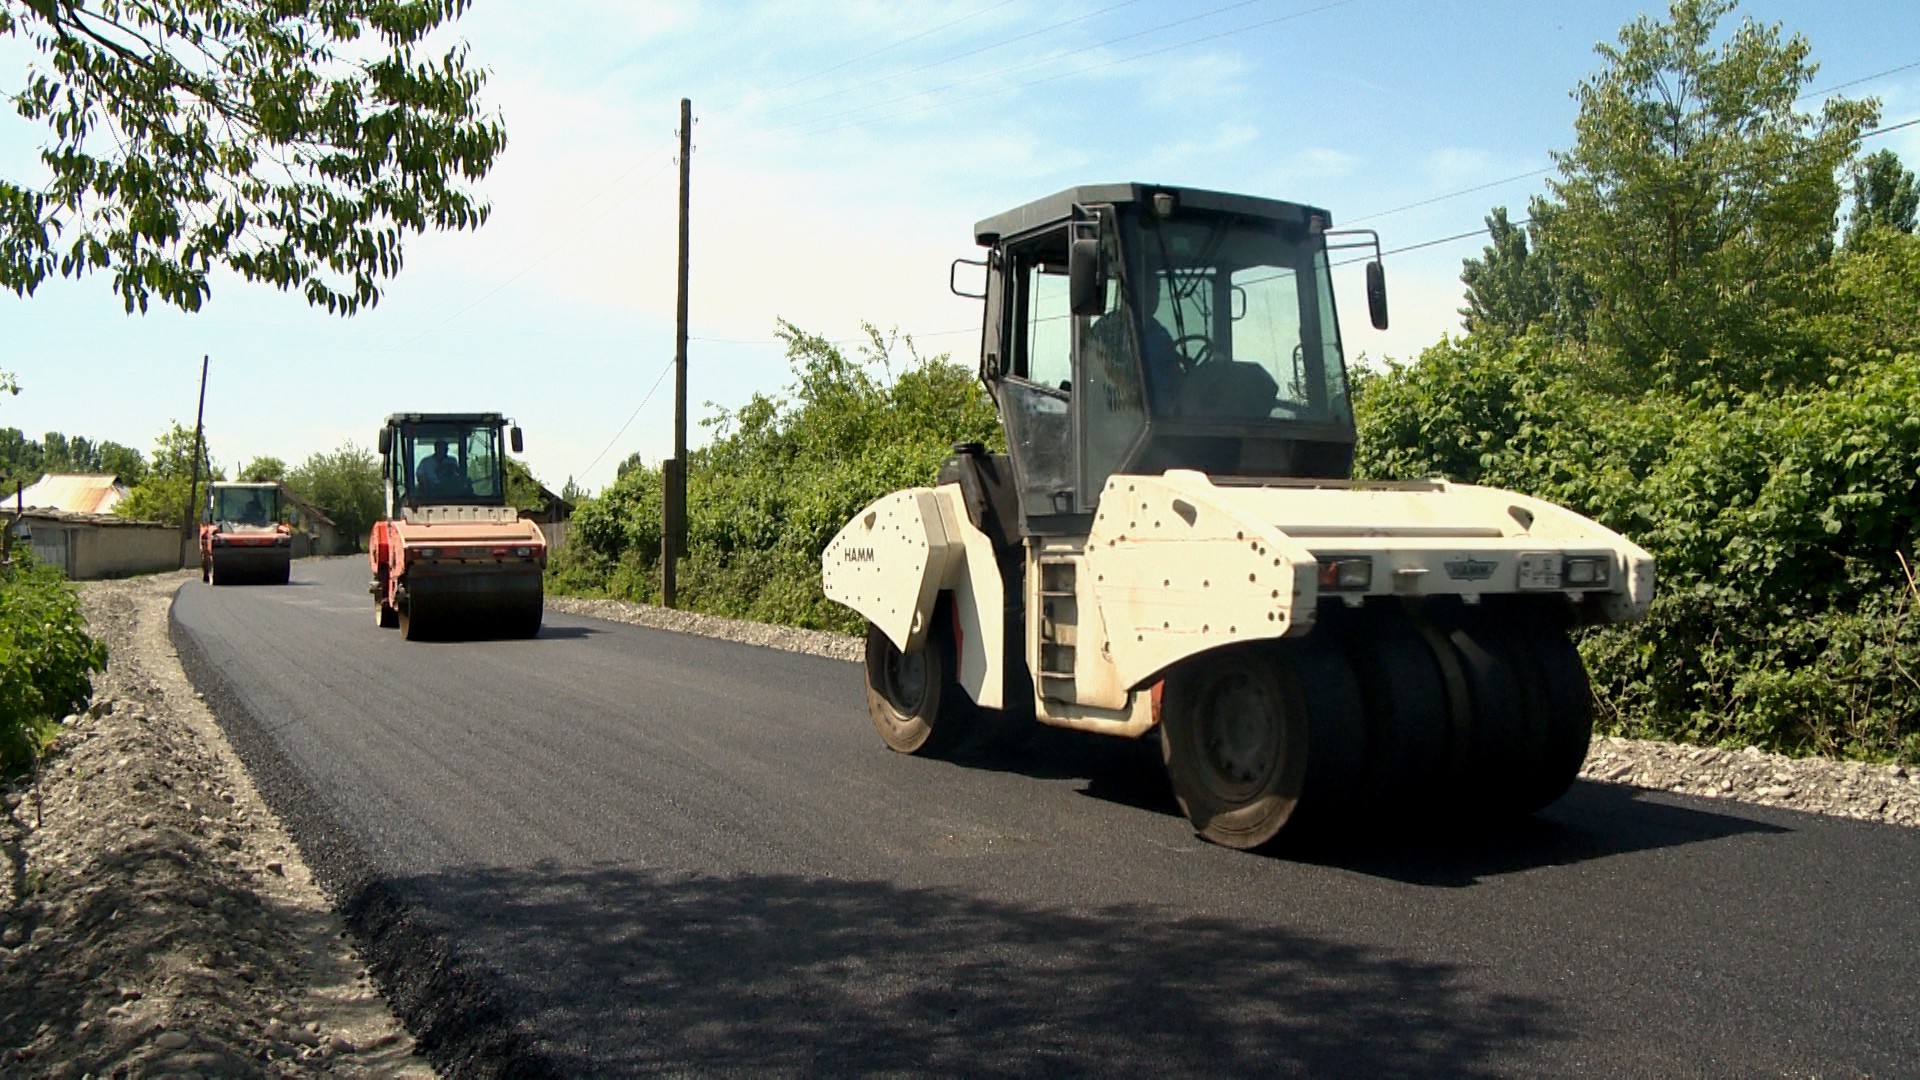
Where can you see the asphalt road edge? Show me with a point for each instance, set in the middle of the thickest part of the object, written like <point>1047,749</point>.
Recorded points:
<point>440,993</point>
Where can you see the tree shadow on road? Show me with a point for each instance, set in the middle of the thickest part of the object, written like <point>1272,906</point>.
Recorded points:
<point>605,970</point>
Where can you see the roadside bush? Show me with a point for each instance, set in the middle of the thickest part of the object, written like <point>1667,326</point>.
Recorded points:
<point>778,480</point>
<point>1784,616</point>
<point>46,658</point>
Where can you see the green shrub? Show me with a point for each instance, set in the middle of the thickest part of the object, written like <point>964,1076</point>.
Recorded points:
<point>1783,615</point>
<point>778,480</point>
<point>46,658</point>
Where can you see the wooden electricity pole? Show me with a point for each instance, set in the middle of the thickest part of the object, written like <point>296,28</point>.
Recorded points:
<point>188,520</point>
<point>673,538</point>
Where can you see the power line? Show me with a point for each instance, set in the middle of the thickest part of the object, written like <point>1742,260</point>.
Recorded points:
<point>1519,222</point>
<point>1831,90</point>
<point>890,47</point>
<point>989,47</point>
<point>668,366</point>
<point>1811,95</point>
<point>830,120</point>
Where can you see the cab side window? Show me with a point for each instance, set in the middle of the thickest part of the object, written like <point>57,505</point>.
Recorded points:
<point>1048,325</point>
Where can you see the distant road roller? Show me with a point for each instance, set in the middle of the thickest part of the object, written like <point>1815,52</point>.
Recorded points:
<point>1174,541</point>
<point>242,538</point>
<point>452,558</point>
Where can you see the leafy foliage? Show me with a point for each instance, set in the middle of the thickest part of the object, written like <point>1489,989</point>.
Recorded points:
<point>779,478</point>
<point>295,142</point>
<point>1746,405</point>
<point>163,494</point>
<point>263,469</point>
<point>345,484</point>
<point>1885,196</point>
<point>46,658</point>
<point>1512,288</point>
<point>24,460</point>
<point>1696,203</point>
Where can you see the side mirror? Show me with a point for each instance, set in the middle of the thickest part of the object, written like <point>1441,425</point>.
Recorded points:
<point>1086,277</point>
<point>385,440</point>
<point>1377,294</point>
<point>513,435</point>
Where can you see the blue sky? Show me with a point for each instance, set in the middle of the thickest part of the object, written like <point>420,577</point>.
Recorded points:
<point>843,152</point>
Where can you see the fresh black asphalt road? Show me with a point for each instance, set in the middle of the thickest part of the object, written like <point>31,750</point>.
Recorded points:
<point>611,851</point>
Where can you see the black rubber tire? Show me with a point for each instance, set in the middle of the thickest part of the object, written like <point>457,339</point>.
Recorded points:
<point>283,575</point>
<point>414,627</point>
<point>216,578</point>
<point>384,616</point>
<point>206,571</point>
<point>1564,699</point>
<point>1234,734</point>
<point>1336,724</point>
<point>1409,716</point>
<point>912,698</point>
<point>1502,754</point>
<point>528,624</point>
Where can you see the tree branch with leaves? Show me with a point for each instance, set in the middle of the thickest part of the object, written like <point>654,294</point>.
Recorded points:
<point>297,143</point>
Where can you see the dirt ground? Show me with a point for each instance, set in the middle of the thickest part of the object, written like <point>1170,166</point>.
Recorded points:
<point>157,920</point>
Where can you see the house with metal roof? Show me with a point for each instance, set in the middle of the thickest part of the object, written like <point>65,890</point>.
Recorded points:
<point>75,493</point>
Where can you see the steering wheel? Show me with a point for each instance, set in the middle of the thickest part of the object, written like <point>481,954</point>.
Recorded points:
<point>1204,354</point>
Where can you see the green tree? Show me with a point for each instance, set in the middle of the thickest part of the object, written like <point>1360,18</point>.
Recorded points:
<point>523,489</point>
<point>345,484</point>
<point>20,458</point>
<point>293,142</point>
<point>162,493</point>
<point>1885,196</point>
<point>1696,202</point>
<point>1507,287</point>
<point>122,461</point>
<point>780,476</point>
<point>264,469</point>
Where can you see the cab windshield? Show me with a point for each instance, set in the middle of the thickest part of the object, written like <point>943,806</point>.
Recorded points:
<point>1237,321</point>
<point>443,462</point>
<point>244,505</point>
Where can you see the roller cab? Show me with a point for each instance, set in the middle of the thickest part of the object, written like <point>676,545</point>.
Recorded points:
<point>1174,543</point>
<point>452,559</point>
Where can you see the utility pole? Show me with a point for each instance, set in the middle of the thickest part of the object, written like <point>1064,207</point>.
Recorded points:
<point>187,520</point>
<point>673,535</point>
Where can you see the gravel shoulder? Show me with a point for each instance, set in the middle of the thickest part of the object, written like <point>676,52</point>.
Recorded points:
<point>159,920</point>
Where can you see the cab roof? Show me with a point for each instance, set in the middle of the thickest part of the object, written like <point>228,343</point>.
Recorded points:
<point>445,418</point>
<point>1059,206</point>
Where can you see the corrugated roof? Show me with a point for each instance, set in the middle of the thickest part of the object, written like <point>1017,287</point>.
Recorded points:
<point>110,521</point>
<point>80,494</point>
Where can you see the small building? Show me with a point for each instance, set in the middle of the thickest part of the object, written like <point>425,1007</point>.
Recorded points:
<point>551,517</point>
<point>75,493</point>
<point>91,546</point>
<point>314,532</point>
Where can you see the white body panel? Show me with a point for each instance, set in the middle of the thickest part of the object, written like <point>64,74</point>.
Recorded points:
<point>894,559</point>
<point>1176,565</point>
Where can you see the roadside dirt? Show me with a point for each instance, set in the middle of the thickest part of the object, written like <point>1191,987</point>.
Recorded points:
<point>158,920</point>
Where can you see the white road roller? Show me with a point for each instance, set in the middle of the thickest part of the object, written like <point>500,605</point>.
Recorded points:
<point>1174,542</point>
